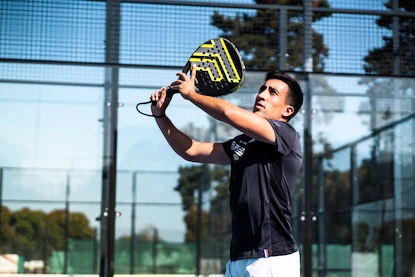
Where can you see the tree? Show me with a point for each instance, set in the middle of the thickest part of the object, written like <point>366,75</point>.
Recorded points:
<point>380,60</point>
<point>28,229</point>
<point>256,35</point>
<point>337,203</point>
<point>386,233</point>
<point>7,232</point>
<point>386,60</point>
<point>191,179</point>
<point>376,176</point>
<point>78,228</point>
<point>34,234</point>
<point>190,219</point>
<point>147,234</point>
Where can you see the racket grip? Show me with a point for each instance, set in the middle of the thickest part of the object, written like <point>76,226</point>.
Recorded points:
<point>170,92</point>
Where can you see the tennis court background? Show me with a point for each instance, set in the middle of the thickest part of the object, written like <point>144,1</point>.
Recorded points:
<point>71,73</point>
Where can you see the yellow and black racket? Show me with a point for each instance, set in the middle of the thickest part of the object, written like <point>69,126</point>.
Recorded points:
<point>220,69</point>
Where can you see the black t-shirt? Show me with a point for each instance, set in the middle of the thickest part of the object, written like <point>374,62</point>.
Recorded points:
<point>263,177</point>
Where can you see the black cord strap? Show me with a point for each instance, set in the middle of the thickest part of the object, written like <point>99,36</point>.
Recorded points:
<point>150,115</point>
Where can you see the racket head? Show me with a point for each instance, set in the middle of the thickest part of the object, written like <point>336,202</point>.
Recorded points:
<point>220,69</point>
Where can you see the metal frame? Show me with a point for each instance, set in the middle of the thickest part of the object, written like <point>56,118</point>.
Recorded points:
<point>110,118</point>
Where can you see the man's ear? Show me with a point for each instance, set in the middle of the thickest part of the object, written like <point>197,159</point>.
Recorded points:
<point>289,110</point>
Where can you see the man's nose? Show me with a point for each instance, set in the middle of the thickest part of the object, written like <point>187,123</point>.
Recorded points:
<point>262,93</point>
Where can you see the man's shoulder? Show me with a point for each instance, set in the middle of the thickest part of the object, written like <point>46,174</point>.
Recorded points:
<point>282,126</point>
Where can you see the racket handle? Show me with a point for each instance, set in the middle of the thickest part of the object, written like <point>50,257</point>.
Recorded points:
<point>170,92</point>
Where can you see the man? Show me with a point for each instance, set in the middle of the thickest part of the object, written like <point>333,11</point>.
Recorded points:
<point>265,163</point>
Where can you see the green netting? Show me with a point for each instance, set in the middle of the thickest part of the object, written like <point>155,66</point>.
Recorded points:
<point>162,257</point>
<point>56,262</point>
<point>20,268</point>
<point>82,258</point>
<point>387,260</point>
<point>180,258</point>
<point>339,257</point>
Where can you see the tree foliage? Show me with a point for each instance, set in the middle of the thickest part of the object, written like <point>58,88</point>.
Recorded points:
<point>148,234</point>
<point>191,179</point>
<point>380,60</point>
<point>190,220</point>
<point>257,35</point>
<point>34,234</point>
<point>385,60</point>
<point>337,200</point>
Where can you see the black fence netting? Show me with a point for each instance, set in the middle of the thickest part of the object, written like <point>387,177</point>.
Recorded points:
<point>352,37</point>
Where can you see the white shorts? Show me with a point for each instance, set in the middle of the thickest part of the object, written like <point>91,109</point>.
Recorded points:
<point>275,266</point>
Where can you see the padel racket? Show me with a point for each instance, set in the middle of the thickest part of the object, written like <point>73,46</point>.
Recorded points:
<point>220,69</point>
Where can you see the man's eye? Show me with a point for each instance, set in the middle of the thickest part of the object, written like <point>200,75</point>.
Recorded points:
<point>262,88</point>
<point>274,91</point>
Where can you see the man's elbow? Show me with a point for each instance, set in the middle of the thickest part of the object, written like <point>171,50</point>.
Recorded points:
<point>187,155</point>
<point>193,154</point>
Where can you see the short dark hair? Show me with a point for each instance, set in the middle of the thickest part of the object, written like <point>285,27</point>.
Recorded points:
<point>294,96</point>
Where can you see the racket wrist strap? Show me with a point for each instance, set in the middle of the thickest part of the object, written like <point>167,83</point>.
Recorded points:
<point>159,116</point>
<point>151,115</point>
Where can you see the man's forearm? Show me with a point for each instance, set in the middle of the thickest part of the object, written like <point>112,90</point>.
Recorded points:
<point>177,140</point>
<point>215,107</point>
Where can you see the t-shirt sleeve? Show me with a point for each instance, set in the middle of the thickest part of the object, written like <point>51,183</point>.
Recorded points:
<point>286,137</point>
<point>227,147</point>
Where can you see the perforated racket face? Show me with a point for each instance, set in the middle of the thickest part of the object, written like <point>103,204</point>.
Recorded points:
<point>219,67</point>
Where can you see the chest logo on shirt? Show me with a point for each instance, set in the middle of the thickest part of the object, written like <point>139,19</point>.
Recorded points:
<point>276,123</point>
<point>238,148</point>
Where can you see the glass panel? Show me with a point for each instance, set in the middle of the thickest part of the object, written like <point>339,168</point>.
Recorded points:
<point>345,110</point>
<point>83,241</point>
<point>163,231</point>
<point>51,153</point>
<point>336,232</point>
<point>375,168</point>
<point>50,127</point>
<point>34,231</point>
<point>158,240</point>
<point>336,119</point>
<point>337,181</point>
<point>372,236</point>
<point>373,210</point>
<point>404,187</point>
<point>85,186</point>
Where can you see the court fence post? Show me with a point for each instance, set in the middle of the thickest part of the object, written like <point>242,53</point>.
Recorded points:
<point>308,144</point>
<point>1,202</point>
<point>109,173</point>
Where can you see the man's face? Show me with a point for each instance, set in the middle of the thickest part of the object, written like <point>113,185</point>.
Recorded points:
<point>270,101</point>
